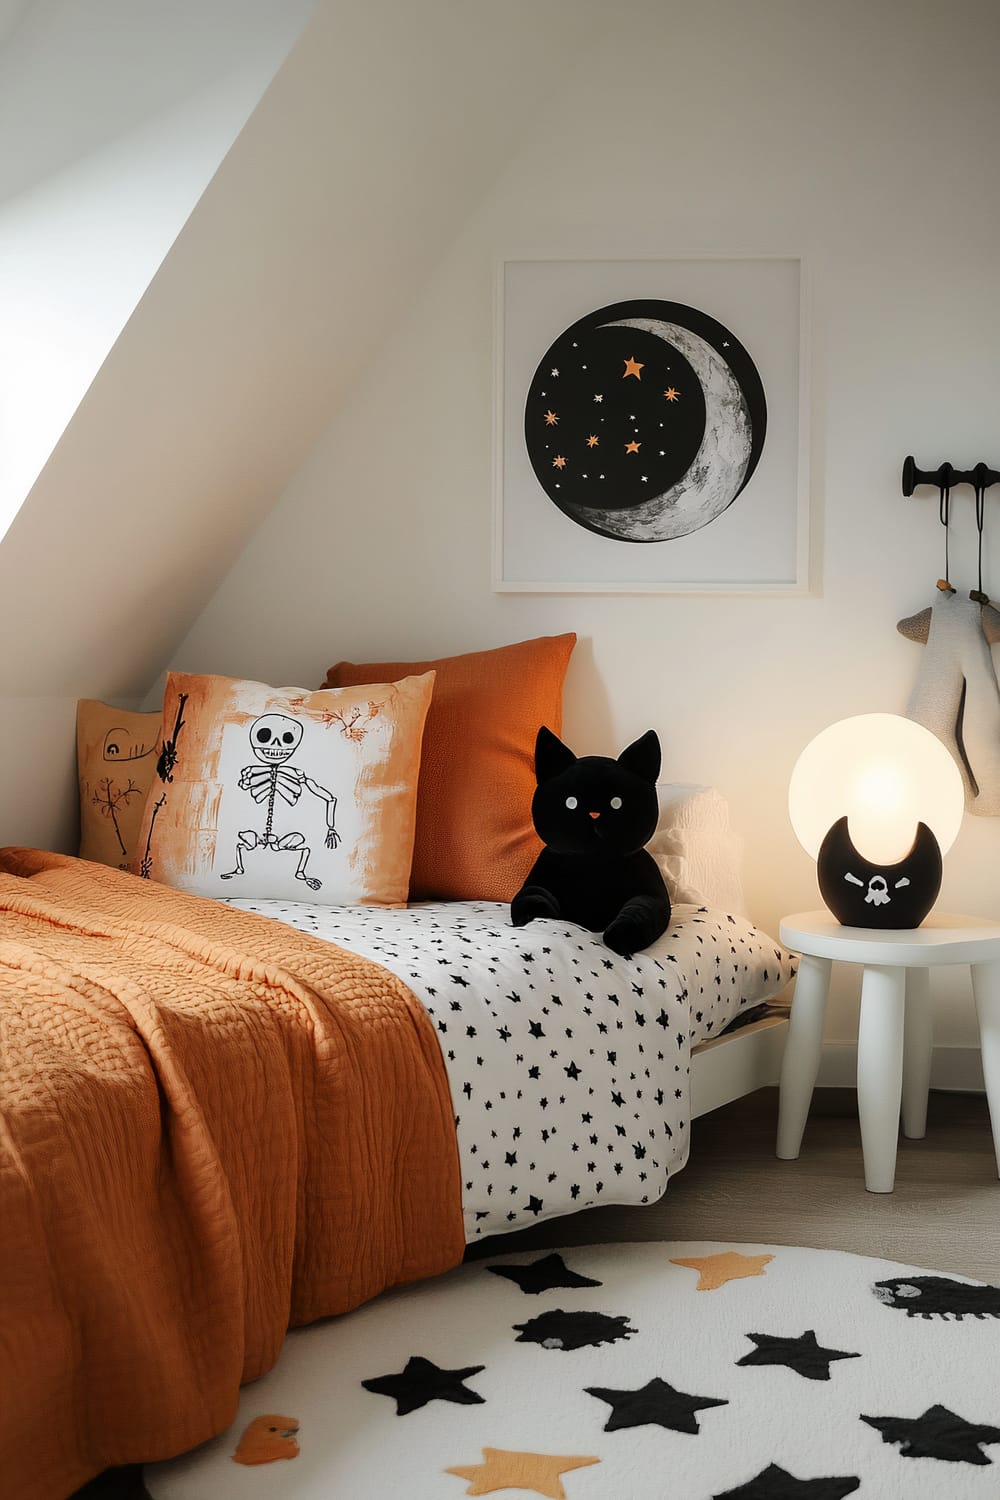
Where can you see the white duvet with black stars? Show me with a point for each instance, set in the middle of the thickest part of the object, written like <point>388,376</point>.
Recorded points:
<point>568,1065</point>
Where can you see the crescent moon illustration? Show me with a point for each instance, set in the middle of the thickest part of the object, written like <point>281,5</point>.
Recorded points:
<point>645,420</point>
<point>720,466</point>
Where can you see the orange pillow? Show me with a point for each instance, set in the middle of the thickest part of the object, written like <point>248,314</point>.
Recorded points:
<point>474,838</point>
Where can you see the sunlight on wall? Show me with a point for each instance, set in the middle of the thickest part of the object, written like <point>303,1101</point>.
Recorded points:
<point>76,254</point>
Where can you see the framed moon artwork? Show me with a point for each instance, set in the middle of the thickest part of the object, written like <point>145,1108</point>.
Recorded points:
<point>650,427</point>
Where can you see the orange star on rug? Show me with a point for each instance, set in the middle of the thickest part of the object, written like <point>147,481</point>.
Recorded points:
<point>504,1470</point>
<point>716,1270</point>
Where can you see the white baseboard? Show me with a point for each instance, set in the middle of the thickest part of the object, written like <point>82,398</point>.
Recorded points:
<point>957,1069</point>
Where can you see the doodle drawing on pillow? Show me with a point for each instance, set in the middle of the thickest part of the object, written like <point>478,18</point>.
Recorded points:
<point>277,792</point>
<point>274,739</point>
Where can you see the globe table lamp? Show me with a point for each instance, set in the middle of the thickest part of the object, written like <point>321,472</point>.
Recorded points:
<point>877,800</point>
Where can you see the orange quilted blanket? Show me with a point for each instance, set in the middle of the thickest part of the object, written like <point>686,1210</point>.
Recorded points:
<point>211,1127</point>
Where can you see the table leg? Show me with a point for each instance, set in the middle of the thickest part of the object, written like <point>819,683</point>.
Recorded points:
<point>880,1071</point>
<point>918,1044</point>
<point>803,1046</point>
<point>986,989</point>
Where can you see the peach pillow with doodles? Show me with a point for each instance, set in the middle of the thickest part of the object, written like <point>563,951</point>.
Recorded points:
<point>116,764</point>
<point>475,839</point>
<point>286,793</point>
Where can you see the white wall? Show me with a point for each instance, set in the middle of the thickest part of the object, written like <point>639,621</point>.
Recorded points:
<point>76,254</point>
<point>863,136</point>
<point>78,75</point>
<point>114,115</point>
<point>111,184</point>
<point>338,198</point>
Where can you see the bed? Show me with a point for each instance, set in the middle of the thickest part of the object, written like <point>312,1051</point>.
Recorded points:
<point>223,1118</point>
<point>569,1068</point>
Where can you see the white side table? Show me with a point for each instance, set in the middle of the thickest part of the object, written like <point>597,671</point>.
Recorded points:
<point>894,1060</point>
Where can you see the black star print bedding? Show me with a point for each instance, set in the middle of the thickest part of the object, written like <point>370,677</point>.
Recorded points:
<point>568,1065</point>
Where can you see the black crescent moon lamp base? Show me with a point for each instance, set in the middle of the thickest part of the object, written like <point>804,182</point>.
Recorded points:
<point>861,894</point>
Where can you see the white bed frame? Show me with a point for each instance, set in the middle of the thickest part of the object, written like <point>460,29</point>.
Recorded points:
<point>737,1063</point>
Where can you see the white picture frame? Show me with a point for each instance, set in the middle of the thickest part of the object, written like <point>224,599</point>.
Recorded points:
<point>760,543</point>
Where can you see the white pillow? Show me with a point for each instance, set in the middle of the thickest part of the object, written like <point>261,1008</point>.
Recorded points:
<point>698,855</point>
<point>691,806</point>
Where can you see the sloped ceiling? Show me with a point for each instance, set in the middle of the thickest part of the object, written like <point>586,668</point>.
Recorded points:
<point>78,77</point>
<point>386,124</point>
<point>113,119</point>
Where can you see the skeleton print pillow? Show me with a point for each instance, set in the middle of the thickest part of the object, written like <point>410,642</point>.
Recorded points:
<point>285,793</point>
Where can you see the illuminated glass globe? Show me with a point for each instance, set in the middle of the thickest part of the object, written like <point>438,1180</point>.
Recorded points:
<point>858,796</point>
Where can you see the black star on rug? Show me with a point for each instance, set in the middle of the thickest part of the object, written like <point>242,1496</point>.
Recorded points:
<point>773,1483</point>
<point>939,1433</point>
<point>655,1402</point>
<point>542,1275</point>
<point>803,1355</point>
<point>422,1381</point>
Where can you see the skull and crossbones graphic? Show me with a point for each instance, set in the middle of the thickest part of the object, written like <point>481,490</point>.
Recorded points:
<point>878,888</point>
<point>274,739</point>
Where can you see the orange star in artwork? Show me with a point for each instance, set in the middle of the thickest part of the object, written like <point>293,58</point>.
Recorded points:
<point>632,447</point>
<point>559,462</point>
<point>716,1270</point>
<point>672,393</point>
<point>551,419</point>
<point>592,441</point>
<point>632,367</point>
<point>506,1470</point>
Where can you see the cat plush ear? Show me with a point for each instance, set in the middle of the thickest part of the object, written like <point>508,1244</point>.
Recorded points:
<point>552,757</point>
<point>642,757</point>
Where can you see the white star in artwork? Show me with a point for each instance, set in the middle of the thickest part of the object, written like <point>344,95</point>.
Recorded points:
<point>553,372</point>
<point>632,416</point>
<point>725,343</point>
<point>661,452</point>
<point>598,398</point>
<point>584,476</point>
<point>644,477</point>
<point>583,367</point>
<point>575,346</point>
<point>602,476</point>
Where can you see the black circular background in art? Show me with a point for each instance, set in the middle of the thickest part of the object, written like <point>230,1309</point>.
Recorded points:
<point>585,411</point>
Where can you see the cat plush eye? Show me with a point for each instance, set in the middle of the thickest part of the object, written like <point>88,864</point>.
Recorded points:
<point>616,803</point>
<point>571,802</point>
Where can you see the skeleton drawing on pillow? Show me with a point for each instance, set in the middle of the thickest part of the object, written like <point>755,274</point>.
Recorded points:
<point>274,739</point>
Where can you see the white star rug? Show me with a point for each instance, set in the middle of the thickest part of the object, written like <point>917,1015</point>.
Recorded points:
<point>629,1372</point>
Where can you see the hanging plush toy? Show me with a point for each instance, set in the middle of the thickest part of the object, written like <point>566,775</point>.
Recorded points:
<point>595,815</point>
<point>956,695</point>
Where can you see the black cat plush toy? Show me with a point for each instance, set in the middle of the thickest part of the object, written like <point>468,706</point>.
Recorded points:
<point>595,815</point>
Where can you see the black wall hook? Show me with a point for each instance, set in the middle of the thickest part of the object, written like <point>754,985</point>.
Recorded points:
<point>944,477</point>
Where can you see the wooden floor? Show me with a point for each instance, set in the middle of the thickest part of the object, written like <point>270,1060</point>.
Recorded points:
<point>944,1214</point>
